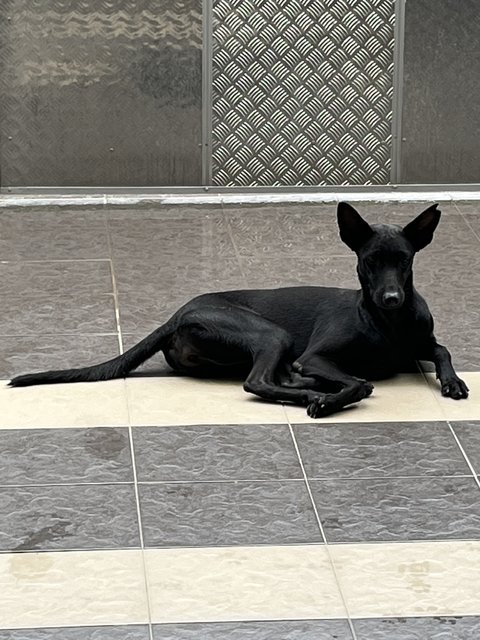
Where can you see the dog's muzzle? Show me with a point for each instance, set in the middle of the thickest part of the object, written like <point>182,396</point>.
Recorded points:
<point>392,299</point>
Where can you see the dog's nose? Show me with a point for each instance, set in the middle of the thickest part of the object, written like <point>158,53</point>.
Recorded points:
<point>391,299</point>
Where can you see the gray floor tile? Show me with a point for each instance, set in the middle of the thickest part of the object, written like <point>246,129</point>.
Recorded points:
<point>458,329</point>
<point>186,275</point>
<point>154,211</point>
<point>470,214</point>
<point>392,210</point>
<point>445,270</point>
<point>312,229</point>
<point>398,509</point>
<point>441,279</point>
<point>451,223</point>
<point>465,354</point>
<point>268,230</point>
<point>79,276</point>
<point>204,514</point>
<point>379,450</point>
<point>77,633</point>
<point>453,298</point>
<point>469,435</point>
<point>272,270</point>
<point>68,313</point>
<point>438,628</point>
<point>242,452</point>
<point>68,517</point>
<point>141,313</point>
<point>174,234</point>
<point>52,235</point>
<point>58,456</point>
<point>275,208</point>
<point>24,354</point>
<point>149,295</point>
<point>457,325</point>
<point>468,207</point>
<point>277,630</point>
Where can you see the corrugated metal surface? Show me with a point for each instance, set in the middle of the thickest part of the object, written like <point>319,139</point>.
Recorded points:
<point>302,91</point>
<point>100,92</point>
<point>441,115</point>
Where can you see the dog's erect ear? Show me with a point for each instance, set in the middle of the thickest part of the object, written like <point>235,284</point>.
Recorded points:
<point>420,231</point>
<point>354,230</point>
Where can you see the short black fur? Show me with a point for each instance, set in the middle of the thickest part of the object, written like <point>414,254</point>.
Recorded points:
<point>313,346</point>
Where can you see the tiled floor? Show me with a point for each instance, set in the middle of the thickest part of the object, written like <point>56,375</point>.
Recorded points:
<point>162,508</point>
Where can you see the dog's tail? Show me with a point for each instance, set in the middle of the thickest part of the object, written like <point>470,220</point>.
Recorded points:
<point>116,368</point>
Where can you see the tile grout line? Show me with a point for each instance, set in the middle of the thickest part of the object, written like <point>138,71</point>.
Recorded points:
<point>235,248</point>
<point>369,543</point>
<point>55,335</point>
<point>61,260</point>
<point>134,469</point>
<point>139,518</point>
<point>239,481</point>
<point>114,286</point>
<point>320,526</point>
<point>465,219</point>
<point>464,453</point>
<point>74,483</point>
<point>433,392</point>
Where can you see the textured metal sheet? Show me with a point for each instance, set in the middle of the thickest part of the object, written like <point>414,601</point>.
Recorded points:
<point>441,97</point>
<point>100,92</point>
<point>302,91</point>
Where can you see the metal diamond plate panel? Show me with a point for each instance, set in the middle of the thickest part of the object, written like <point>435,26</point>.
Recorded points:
<point>100,92</point>
<point>302,92</point>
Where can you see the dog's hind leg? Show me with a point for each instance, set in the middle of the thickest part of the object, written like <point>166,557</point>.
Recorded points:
<point>351,389</point>
<point>266,344</point>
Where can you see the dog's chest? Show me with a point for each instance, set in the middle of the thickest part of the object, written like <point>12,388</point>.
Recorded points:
<point>379,355</point>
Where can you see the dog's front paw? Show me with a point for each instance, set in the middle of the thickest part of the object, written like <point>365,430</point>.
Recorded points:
<point>455,388</point>
<point>367,388</point>
<point>319,407</point>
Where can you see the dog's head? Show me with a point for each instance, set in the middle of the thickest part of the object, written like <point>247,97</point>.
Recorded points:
<point>385,251</point>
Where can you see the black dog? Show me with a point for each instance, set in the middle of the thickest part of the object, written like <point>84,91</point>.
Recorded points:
<point>305,345</point>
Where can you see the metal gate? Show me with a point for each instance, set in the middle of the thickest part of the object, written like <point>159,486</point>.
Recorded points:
<point>441,92</point>
<point>302,92</point>
<point>137,93</point>
<point>98,93</point>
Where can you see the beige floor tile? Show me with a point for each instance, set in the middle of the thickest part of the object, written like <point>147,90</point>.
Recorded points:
<point>72,588</point>
<point>242,583</point>
<point>414,579</point>
<point>403,398</point>
<point>459,409</point>
<point>64,405</point>
<point>176,401</point>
